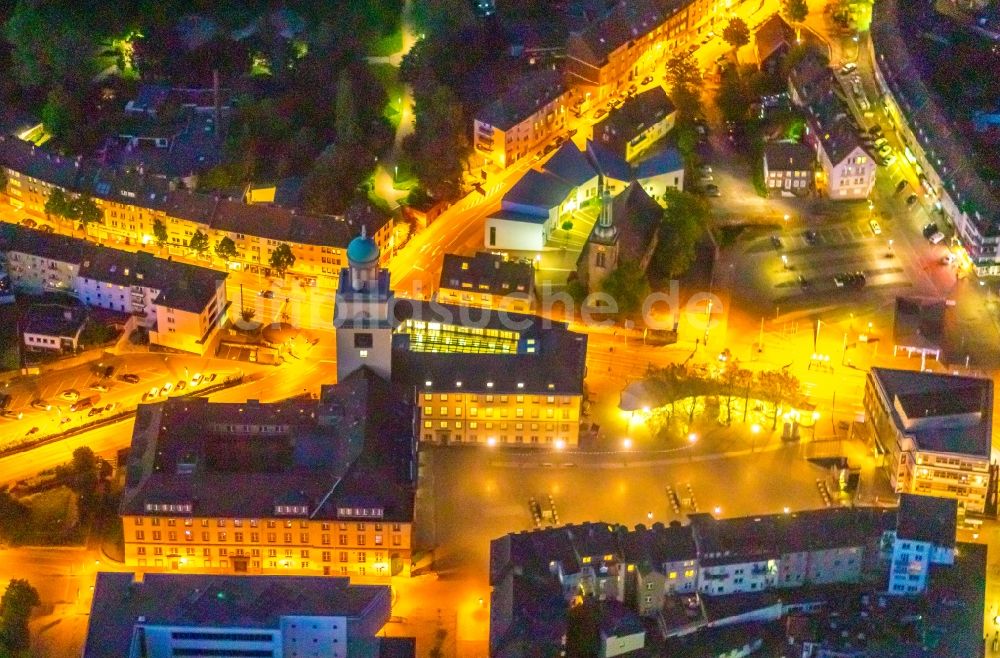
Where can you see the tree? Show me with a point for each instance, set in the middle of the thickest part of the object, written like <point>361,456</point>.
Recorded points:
<point>438,147</point>
<point>335,177</point>
<point>734,97</point>
<point>684,78</point>
<point>346,110</point>
<point>225,248</point>
<point>628,286</point>
<point>3,180</point>
<point>14,516</point>
<point>84,209</point>
<point>199,242</point>
<point>736,33</point>
<point>160,232</point>
<point>58,204</point>
<point>776,386</point>
<point>795,10</point>
<point>61,113</point>
<point>15,610</point>
<point>282,259</point>
<point>680,229</point>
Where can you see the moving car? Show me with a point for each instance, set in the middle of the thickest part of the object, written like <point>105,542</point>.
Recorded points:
<point>810,236</point>
<point>70,395</point>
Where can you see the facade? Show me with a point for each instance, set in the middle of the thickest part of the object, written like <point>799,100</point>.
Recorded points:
<point>746,567</point>
<point>529,212</point>
<point>181,305</point>
<point>847,169</point>
<point>303,487</point>
<point>531,112</point>
<point>631,129</point>
<point>487,280</point>
<point>789,167</point>
<point>362,312</point>
<point>53,328</point>
<point>932,433</point>
<point>655,172</point>
<point>133,203</point>
<point>167,615</point>
<point>925,536</point>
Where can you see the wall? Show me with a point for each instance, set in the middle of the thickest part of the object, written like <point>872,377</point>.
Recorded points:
<point>314,637</point>
<point>160,644</point>
<point>515,235</point>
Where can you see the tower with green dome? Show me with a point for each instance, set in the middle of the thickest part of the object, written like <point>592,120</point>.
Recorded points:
<point>361,313</point>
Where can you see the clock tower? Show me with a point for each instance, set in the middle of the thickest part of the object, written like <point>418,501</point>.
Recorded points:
<point>361,313</point>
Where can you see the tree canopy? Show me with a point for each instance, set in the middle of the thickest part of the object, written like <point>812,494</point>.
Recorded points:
<point>225,248</point>
<point>198,242</point>
<point>736,33</point>
<point>438,147</point>
<point>682,226</point>
<point>282,259</point>
<point>628,286</point>
<point>15,610</point>
<point>795,10</point>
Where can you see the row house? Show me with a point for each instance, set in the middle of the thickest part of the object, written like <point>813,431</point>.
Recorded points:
<point>322,487</point>
<point>133,204</point>
<point>181,305</point>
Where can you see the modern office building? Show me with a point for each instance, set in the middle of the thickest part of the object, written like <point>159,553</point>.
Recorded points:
<point>170,615</point>
<point>933,434</point>
<point>315,487</point>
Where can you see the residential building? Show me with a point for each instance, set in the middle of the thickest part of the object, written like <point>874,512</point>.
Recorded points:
<point>312,487</point>
<point>487,280</point>
<point>789,167</point>
<point>655,172</point>
<point>948,175</point>
<point>631,129</point>
<point>925,536</point>
<point>181,305</point>
<point>933,434</point>
<point>531,112</point>
<point>717,571</point>
<point>847,167</point>
<point>133,202</point>
<point>53,328</point>
<point>771,41</point>
<point>167,615</point>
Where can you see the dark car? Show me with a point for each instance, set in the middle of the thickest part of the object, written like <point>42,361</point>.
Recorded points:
<point>900,186</point>
<point>875,130</point>
<point>811,237</point>
<point>857,280</point>
<point>129,377</point>
<point>776,242</point>
<point>930,229</point>
<point>267,294</point>
<point>647,80</point>
<point>599,113</point>
<point>94,411</point>
<point>803,282</point>
<point>840,280</point>
<point>912,199</point>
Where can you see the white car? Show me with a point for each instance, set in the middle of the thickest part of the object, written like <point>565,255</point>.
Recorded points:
<point>70,395</point>
<point>848,68</point>
<point>936,238</point>
<point>165,391</point>
<point>196,379</point>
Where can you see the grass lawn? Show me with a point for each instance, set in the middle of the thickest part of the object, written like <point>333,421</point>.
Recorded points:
<point>54,518</point>
<point>388,75</point>
<point>388,44</point>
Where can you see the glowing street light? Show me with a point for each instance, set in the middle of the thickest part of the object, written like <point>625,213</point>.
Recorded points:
<point>755,429</point>
<point>717,510</point>
<point>692,438</point>
<point>627,443</point>
<point>786,510</point>
<point>492,441</point>
<point>560,444</point>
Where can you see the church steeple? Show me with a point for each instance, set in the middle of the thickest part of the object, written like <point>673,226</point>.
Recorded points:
<point>605,230</point>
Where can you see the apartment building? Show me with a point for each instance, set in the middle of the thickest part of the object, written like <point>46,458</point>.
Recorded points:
<point>181,305</point>
<point>487,280</point>
<point>531,112</point>
<point>168,615</point>
<point>133,203</point>
<point>315,487</point>
<point>641,121</point>
<point>846,167</point>
<point>924,537</point>
<point>933,434</point>
<point>53,328</point>
<point>789,168</point>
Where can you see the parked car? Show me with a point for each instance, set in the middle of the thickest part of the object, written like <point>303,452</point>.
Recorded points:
<point>153,392</point>
<point>900,186</point>
<point>267,294</point>
<point>83,403</point>
<point>889,160</point>
<point>810,236</point>
<point>930,229</point>
<point>165,391</point>
<point>46,228</point>
<point>647,80</point>
<point>912,199</point>
<point>41,404</point>
<point>70,395</point>
<point>106,371</point>
<point>196,379</point>
<point>776,242</point>
<point>712,190</point>
<point>848,68</point>
<point>97,386</point>
<point>33,430</point>
<point>181,385</point>
<point>600,113</point>
<point>937,238</point>
<point>876,228</point>
<point>12,415</point>
<point>632,89</point>
<point>840,280</point>
<point>875,130</point>
<point>111,407</point>
<point>129,377</point>
<point>29,223</point>
<point>210,378</point>
<point>803,282</point>
<point>704,169</point>
<point>881,141</point>
<point>94,411</point>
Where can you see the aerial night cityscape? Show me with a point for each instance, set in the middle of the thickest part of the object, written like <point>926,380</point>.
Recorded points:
<point>499,328</point>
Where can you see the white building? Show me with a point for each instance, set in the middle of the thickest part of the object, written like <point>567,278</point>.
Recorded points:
<point>53,328</point>
<point>530,211</point>
<point>925,535</point>
<point>167,615</point>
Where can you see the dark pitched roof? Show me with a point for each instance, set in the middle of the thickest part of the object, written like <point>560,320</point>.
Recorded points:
<point>14,237</point>
<point>487,272</point>
<point>193,207</point>
<point>54,320</point>
<point>651,548</point>
<point>538,189</point>
<point>637,218</point>
<point>928,519</point>
<point>570,164</point>
<point>919,322</point>
<point>20,156</point>
<point>634,116</point>
<point>789,156</point>
<point>925,395</point>
<point>532,92</point>
<point>609,163</point>
<point>351,448</point>
<point>216,601</point>
<point>663,161</point>
<point>773,34</point>
<point>626,21</point>
<point>268,222</point>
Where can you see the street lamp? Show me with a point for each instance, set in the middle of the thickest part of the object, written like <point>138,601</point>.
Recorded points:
<point>491,441</point>
<point>754,431</point>
<point>784,260</point>
<point>560,444</point>
<point>627,443</point>
<point>787,217</point>
<point>692,439</point>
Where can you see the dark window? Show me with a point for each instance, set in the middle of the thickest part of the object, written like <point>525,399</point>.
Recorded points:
<point>363,340</point>
<point>221,637</point>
